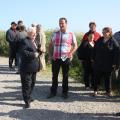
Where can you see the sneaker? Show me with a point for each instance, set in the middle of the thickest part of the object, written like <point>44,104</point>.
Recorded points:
<point>51,95</point>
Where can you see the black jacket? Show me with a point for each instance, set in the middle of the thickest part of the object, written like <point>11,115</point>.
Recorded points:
<point>29,63</point>
<point>106,54</point>
<point>12,37</point>
<point>85,51</point>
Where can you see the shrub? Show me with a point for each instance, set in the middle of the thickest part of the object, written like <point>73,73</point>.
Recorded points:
<point>3,44</point>
<point>76,70</point>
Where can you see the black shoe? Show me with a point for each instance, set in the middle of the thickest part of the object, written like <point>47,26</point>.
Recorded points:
<point>118,114</point>
<point>51,95</point>
<point>65,95</point>
<point>17,72</point>
<point>11,68</point>
<point>27,105</point>
<point>31,99</point>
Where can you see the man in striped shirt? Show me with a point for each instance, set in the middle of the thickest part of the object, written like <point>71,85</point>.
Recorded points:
<point>64,45</point>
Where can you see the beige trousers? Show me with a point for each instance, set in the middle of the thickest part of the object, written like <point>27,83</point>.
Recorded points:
<point>42,62</point>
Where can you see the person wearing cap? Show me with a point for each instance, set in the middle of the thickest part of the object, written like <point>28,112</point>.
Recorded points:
<point>12,37</point>
<point>41,41</point>
<point>29,65</point>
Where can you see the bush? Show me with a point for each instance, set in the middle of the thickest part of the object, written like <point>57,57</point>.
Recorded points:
<point>48,34</point>
<point>75,68</point>
<point>3,44</point>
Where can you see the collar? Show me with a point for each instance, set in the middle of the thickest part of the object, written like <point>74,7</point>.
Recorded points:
<point>64,32</point>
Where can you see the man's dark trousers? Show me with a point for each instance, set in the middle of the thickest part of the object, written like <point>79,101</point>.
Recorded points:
<point>56,64</point>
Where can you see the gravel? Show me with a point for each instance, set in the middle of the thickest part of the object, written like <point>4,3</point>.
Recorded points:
<point>80,105</point>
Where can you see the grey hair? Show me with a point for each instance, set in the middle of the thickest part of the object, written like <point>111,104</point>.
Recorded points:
<point>31,29</point>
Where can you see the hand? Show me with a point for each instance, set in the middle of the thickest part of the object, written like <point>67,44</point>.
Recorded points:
<point>70,55</point>
<point>36,54</point>
<point>49,60</point>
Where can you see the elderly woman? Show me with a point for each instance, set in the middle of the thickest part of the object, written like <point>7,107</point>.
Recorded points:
<point>106,58</point>
<point>29,65</point>
<point>41,41</point>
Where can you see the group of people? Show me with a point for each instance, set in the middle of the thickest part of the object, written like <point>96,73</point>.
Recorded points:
<point>98,54</point>
<point>15,34</point>
<point>27,47</point>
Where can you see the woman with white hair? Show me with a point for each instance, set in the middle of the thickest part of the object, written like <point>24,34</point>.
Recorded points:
<point>29,65</point>
<point>41,41</point>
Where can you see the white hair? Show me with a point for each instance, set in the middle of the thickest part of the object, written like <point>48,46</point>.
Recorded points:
<point>31,29</point>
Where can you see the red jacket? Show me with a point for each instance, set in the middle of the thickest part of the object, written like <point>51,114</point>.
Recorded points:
<point>96,36</point>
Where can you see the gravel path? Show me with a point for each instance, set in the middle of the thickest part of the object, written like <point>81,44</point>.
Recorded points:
<point>79,106</point>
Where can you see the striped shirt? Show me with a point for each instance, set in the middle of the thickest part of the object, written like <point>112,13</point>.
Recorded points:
<point>62,43</point>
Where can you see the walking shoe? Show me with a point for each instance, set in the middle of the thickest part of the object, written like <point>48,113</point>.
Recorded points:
<point>117,114</point>
<point>31,99</point>
<point>27,105</point>
<point>17,72</point>
<point>11,69</point>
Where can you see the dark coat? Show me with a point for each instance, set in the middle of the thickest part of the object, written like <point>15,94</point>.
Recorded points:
<point>29,63</point>
<point>85,51</point>
<point>12,37</point>
<point>106,54</point>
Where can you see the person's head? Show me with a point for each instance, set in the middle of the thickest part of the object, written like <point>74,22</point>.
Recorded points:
<point>38,28</point>
<point>13,25</point>
<point>107,32</point>
<point>31,33</point>
<point>33,25</point>
<point>92,26</point>
<point>90,36</point>
<point>63,24</point>
<point>22,28</point>
<point>20,23</point>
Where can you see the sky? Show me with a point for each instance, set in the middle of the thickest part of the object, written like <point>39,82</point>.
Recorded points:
<point>47,13</point>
